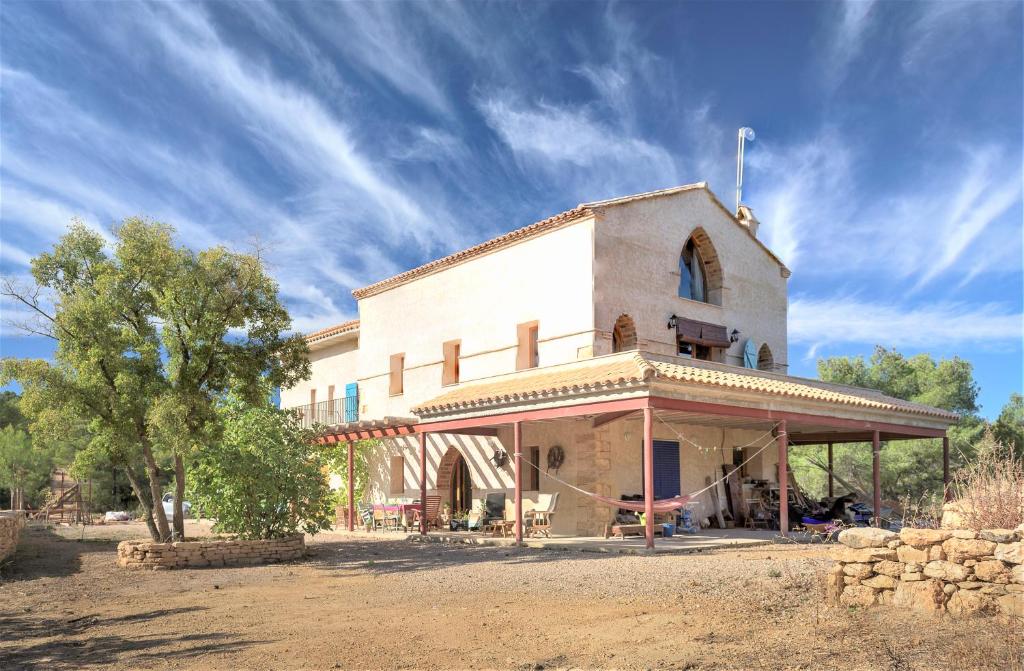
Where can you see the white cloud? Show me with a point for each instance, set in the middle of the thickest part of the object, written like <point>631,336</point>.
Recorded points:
<point>14,255</point>
<point>801,192</point>
<point>381,37</point>
<point>946,31</point>
<point>849,320</point>
<point>847,37</point>
<point>553,138</point>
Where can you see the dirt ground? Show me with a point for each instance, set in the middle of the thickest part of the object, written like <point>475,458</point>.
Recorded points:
<point>395,604</point>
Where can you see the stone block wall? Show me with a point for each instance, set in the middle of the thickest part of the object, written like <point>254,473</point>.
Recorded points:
<point>10,530</point>
<point>145,554</point>
<point>960,572</point>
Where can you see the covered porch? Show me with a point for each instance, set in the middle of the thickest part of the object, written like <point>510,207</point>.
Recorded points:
<point>601,404</point>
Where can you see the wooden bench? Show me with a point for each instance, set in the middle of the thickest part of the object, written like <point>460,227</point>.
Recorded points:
<point>623,530</point>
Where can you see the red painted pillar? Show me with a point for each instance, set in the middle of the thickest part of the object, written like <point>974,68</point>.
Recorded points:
<point>947,495</point>
<point>782,439</point>
<point>351,487</point>
<point>830,469</point>
<point>876,477</point>
<point>517,432</point>
<point>649,477</point>
<point>423,484</point>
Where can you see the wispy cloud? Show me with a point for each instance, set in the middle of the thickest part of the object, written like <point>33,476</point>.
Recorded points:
<point>383,38</point>
<point>555,138</point>
<point>816,322</point>
<point>803,191</point>
<point>850,24</point>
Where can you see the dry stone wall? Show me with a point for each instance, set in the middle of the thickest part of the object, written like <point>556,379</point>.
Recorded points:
<point>10,531</point>
<point>144,554</point>
<point>960,572</point>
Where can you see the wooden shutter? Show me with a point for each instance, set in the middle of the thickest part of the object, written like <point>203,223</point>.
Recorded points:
<point>351,402</point>
<point>666,469</point>
<point>397,371</point>
<point>312,404</point>
<point>526,343</point>
<point>450,371</point>
<point>397,484</point>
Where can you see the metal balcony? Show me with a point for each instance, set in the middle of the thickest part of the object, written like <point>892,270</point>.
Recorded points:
<point>328,413</point>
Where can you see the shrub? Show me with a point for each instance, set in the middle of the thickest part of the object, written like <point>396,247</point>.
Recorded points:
<point>990,489</point>
<point>266,478</point>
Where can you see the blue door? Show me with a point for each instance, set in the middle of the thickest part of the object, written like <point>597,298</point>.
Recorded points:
<point>351,402</point>
<point>666,469</point>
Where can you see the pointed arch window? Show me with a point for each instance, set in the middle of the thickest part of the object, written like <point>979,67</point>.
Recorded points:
<point>693,279</point>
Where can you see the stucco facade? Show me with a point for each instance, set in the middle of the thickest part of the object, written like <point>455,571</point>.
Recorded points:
<point>574,280</point>
<point>598,279</point>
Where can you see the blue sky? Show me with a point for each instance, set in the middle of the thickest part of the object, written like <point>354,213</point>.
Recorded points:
<point>354,141</point>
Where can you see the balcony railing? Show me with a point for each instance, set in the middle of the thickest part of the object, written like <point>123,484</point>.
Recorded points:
<point>329,413</point>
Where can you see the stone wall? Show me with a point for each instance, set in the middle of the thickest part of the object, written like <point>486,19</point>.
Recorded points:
<point>144,554</point>
<point>961,572</point>
<point>10,530</point>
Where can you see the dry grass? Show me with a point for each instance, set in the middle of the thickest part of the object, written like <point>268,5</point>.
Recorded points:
<point>990,490</point>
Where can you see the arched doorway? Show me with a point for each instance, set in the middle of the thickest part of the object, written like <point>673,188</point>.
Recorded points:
<point>461,496</point>
<point>454,483</point>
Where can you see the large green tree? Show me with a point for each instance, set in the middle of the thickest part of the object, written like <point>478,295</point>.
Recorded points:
<point>909,468</point>
<point>149,336</point>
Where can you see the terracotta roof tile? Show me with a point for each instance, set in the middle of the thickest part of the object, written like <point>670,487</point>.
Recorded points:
<point>576,377</point>
<point>331,331</point>
<point>636,369</point>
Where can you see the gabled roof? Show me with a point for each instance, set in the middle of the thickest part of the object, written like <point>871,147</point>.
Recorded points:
<point>581,211</point>
<point>638,369</point>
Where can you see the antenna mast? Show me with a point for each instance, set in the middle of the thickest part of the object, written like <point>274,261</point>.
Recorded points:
<point>744,135</point>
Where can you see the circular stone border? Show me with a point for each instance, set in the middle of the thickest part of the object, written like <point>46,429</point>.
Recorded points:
<point>147,554</point>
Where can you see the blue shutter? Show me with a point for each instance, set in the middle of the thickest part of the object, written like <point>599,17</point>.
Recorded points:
<point>666,469</point>
<point>351,402</point>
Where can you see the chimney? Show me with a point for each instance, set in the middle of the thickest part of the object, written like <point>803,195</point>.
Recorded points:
<point>747,218</point>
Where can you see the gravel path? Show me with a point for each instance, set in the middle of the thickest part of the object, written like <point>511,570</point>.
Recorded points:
<point>395,604</point>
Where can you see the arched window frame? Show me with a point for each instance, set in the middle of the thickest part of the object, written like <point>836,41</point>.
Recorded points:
<point>765,358</point>
<point>700,271</point>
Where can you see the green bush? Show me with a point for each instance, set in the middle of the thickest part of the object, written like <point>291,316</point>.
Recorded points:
<point>266,478</point>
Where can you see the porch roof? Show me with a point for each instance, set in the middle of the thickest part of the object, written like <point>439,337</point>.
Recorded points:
<point>637,371</point>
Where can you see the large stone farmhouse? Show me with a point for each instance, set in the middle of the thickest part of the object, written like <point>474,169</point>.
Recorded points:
<point>628,347</point>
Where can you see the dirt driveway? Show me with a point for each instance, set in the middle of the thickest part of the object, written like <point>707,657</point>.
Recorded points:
<point>394,604</point>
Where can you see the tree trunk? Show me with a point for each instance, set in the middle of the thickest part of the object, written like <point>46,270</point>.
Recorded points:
<point>153,472</point>
<point>144,501</point>
<point>179,497</point>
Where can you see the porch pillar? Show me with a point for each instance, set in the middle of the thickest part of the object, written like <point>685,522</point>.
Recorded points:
<point>782,439</point>
<point>351,487</point>
<point>946,494</point>
<point>649,477</point>
<point>517,433</point>
<point>876,477</point>
<point>423,484</point>
<point>830,468</point>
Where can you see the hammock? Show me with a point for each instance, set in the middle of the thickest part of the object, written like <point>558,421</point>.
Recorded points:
<point>660,505</point>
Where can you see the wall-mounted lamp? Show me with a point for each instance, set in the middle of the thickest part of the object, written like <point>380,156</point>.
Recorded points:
<point>734,336</point>
<point>672,321</point>
<point>500,457</point>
